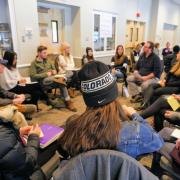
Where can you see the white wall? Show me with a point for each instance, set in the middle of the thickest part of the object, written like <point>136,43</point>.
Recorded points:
<point>4,13</point>
<point>24,16</point>
<point>169,13</point>
<point>123,9</point>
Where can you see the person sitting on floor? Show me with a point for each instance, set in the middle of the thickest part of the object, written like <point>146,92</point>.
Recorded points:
<point>169,86</point>
<point>12,81</point>
<point>105,123</point>
<point>147,71</point>
<point>88,57</point>
<point>119,62</point>
<point>43,72</point>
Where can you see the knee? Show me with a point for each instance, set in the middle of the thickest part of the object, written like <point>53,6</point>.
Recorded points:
<point>130,78</point>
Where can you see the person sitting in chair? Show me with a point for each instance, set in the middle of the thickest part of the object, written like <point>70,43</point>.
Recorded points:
<point>43,72</point>
<point>106,124</point>
<point>119,62</point>
<point>147,71</point>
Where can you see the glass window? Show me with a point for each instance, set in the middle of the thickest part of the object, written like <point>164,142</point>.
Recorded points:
<point>111,40</point>
<point>104,43</point>
<point>98,41</point>
<point>54,25</point>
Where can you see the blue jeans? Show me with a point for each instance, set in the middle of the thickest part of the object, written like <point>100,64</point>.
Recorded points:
<point>119,74</point>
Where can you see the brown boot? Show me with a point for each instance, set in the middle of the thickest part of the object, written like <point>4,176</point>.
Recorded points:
<point>60,80</point>
<point>71,92</point>
<point>70,106</point>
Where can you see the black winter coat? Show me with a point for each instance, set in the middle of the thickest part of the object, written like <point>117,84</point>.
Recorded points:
<point>17,162</point>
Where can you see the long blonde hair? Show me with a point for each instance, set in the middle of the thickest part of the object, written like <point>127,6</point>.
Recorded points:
<point>96,128</point>
<point>176,68</point>
<point>63,46</point>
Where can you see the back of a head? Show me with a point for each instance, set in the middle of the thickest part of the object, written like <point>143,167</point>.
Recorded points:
<point>176,49</point>
<point>9,57</point>
<point>98,127</point>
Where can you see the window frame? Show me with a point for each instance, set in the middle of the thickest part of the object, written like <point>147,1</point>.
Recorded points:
<point>105,51</point>
<point>56,22</point>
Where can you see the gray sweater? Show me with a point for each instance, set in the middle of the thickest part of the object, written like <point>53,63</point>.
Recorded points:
<point>102,165</point>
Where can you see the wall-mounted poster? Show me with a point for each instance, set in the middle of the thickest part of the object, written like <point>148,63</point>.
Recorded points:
<point>106,25</point>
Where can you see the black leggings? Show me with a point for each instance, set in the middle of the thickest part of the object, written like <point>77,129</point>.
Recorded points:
<point>154,91</point>
<point>160,104</point>
<point>34,90</point>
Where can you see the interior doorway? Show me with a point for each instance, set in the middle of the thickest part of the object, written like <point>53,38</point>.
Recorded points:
<point>57,23</point>
<point>134,34</point>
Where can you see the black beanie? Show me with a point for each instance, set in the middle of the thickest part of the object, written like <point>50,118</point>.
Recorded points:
<point>98,85</point>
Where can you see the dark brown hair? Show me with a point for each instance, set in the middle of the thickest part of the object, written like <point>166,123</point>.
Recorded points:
<point>96,128</point>
<point>9,57</point>
<point>41,48</point>
<point>151,45</point>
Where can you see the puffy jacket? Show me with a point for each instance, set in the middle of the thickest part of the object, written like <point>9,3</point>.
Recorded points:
<point>16,160</point>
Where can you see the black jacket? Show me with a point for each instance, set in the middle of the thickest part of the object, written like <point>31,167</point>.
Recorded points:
<point>150,64</point>
<point>16,161</point>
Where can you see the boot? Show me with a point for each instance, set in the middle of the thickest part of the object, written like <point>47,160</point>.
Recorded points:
<point>71,92</point>
<point>60,80</point>
<point>70,106</point>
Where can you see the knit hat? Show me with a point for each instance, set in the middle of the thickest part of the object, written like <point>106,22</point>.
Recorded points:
<point>98,86</point>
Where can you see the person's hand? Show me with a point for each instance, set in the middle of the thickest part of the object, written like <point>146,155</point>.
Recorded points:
<point>1,68</point>
<point>168,114</point>
<point>144,78</point>
<point>129,111</point>
<point>54,72</point>
<point>35,130</point>
<point>113,71</point>
<point>22,81</point>
<point>49,73</point>
<point>25,130</point>
<point>177,97</point>
<point>162,83</point>
<point>17,101</point>
<point>21,96</point>
<point>178,144</point>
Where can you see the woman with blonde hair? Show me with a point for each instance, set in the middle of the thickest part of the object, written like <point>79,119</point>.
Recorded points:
<point>171,85</point>
<point>106,124</point>
<point>66,60</point>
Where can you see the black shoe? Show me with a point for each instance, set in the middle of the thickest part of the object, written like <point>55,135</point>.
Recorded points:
<point>141,107</point>
<point>137,99</point>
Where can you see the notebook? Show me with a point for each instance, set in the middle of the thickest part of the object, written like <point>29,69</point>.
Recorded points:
<point>173,103</point>
<point>176,133</point>
<point>50,134</point>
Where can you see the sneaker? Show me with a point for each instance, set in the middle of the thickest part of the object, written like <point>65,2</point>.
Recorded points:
<point>137,99</point>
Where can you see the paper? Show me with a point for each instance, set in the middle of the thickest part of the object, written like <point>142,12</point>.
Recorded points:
<point>72,69</point>
<point>176,133</point>
<point>59,76</point>
<point>106,25</point>
<point>173,103</point>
